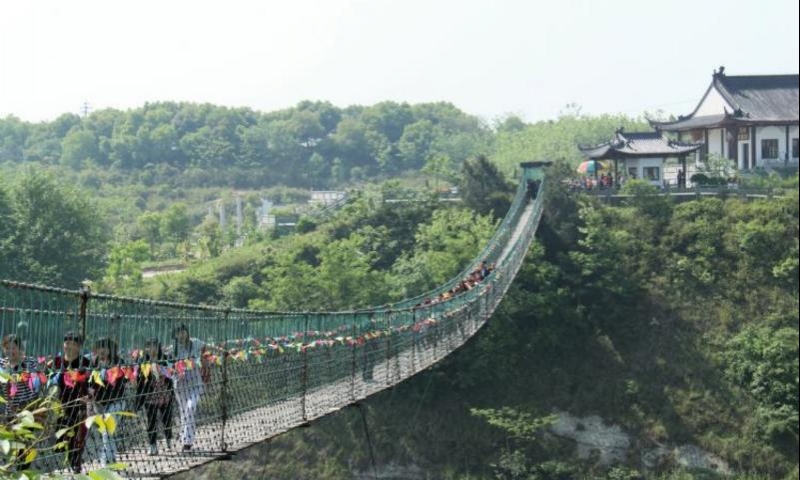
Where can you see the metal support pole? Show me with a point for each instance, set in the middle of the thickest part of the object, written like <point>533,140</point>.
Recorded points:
<point>223,391</point>
<point>353,346</point>
<point>413,339</point>
<point>388,349</point>
<point>84,301</point>
<point>304,352</point>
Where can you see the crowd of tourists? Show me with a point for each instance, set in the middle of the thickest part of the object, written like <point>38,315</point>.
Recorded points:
<point>420,328</point>
<point>471,281</point>
<point>73,379</point>
<point>602,182</point>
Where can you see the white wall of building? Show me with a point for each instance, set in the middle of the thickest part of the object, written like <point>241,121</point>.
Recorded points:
<point>641,167</point>
<point>713,104</point>
<point>771,133</point>
<point>716,145</point>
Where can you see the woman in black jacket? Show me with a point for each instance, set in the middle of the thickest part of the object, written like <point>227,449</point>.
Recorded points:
<point>155,391</point>
<point>72,382</point>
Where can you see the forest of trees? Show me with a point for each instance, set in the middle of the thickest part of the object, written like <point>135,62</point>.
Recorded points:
<point>314,144</point>
<point>141,179</point>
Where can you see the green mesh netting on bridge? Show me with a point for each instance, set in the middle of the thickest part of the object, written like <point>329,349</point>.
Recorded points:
<point>228,377</point>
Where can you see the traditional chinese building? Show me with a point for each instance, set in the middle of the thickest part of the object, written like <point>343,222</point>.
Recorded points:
<point>642,155</point>
<point>751,119</point>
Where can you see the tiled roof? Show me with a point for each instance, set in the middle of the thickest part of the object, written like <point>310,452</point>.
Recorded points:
<point>762,97</point>
<point>755,99</point>
<point>692,122</point>
<point>638,144</point>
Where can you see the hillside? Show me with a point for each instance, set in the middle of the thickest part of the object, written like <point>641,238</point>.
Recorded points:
<point>668,326</point>
<point>666,332</point>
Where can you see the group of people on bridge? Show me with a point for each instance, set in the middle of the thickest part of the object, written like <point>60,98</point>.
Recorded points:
<point>74,379</point>
<point>471,281</point>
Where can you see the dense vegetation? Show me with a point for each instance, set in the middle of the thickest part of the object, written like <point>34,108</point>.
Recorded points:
<point>150,178</point>
<point>665,319</point>
<point>188,145</point>
<point>678,322</point>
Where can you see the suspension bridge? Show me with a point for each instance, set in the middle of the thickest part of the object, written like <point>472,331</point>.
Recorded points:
<point>265,373</point>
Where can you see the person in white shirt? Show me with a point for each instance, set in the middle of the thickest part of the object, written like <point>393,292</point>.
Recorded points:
<point>189,384</point>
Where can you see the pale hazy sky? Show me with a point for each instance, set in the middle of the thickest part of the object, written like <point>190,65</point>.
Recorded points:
<point>488,57</point>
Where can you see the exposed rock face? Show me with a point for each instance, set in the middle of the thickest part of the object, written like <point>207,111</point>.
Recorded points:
<point>611,445</point>
<point>694,457</point>
<point>591,434</point>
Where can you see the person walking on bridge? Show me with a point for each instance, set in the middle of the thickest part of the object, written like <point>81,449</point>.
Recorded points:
<point>16,392</point>
<point>155,393</point>
<point>72,382</point>
<point>190,381</point>
<point>108,397</point>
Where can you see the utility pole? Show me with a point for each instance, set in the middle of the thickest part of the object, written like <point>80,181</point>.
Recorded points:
<point>238,216</point>
<point>221,209</point>
<point>85,109</point>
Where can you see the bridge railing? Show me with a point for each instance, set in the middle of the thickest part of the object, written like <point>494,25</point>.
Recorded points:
<point>699,191</point>
<point>490,253</point>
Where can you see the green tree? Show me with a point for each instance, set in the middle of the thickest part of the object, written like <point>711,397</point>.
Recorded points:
<point>347,277</point>
<point>211,236</point>
<point>8,227</point>
<point>558,139</point>
<point>443,247</point>
<point>415,144</point>
<point>42,145</point>
<point>483,188</point>
<point>353,142</point>
<point>763,360</point>
<point>317,170</point>
<point>77,147</point>
<point>124,270</point>
<point>13,133</point>
<point>239,291</point>
<point>175,223</point>
<point>124,151</point>
<point>60,239</point>
<point>440,166</point>
<point>149,226</point>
